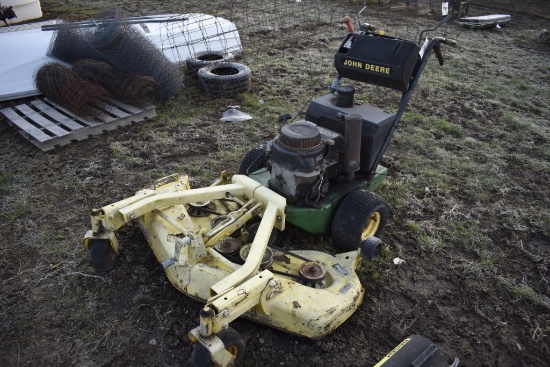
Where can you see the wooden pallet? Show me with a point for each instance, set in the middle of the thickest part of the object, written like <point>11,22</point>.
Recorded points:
<point>48,125</point>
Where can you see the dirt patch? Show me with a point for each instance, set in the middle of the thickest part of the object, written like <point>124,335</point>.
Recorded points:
<point>468,188</point>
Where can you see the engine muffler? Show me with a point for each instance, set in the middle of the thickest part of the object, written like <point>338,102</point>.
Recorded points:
<point>352,144</point>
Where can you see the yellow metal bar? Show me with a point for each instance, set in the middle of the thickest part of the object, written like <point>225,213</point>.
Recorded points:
<point>140,195</point>
<point>225,232</point>
<point>160,201</point>
<point>239,300</point>
<point>172,222</point>
<point>252,263</point>
<point>264,195</point>
<point>105,217</point>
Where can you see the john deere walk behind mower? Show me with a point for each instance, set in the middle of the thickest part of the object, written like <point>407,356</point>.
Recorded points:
<point>327,166</point>
<point>216,243</point>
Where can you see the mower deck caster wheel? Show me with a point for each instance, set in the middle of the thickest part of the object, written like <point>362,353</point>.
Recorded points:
<point>362,214</point>
<point>370,248</point>
<point>102,255</point>
<point>233,342</point>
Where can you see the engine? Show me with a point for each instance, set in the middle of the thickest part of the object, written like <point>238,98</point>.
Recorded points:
<point>337,139</point>
<point>302,161</point>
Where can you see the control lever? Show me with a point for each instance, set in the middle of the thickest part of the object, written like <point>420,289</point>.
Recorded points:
<point>347,20</point>
<point>437,47</point>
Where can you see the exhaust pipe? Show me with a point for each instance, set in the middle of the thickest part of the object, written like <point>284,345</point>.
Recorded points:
<point>352,144</point>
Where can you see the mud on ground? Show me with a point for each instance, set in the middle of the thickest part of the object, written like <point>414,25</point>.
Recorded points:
<point>468,184</point>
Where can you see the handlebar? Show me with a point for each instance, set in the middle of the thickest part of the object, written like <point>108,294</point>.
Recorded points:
<point>435,44</point>
<point>437,47</point>
<point>441,22</point>
<point>430,44</point>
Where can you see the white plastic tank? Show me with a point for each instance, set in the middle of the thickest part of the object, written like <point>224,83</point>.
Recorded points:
<point>24,10</point>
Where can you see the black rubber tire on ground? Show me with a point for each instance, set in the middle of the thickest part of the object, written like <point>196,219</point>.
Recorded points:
<point>233,342</point>
<point>205,58</point>
<point>102,255</point>
<point>361,214</point>
<point>254,160</point>
<point>226,79</point>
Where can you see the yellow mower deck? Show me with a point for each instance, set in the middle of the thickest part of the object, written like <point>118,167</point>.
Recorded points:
<point>276,293</point>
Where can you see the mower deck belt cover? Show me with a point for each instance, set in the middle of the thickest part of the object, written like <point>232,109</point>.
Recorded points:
<point>373,59</point>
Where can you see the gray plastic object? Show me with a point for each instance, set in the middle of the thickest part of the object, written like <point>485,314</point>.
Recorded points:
<point>234,115</point>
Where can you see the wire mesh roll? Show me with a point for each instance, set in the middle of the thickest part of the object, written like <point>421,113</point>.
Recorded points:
<point>126,48</point>
<point>61,85</point>
<point>129,87</point>
<point>70,44</point>
<point>115,41</point>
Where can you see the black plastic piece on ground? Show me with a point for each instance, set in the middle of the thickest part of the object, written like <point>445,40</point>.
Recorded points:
<point>415,351</point>
<point>284,118</point>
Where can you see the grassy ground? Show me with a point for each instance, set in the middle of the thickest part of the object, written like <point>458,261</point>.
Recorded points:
<point>469,179</point>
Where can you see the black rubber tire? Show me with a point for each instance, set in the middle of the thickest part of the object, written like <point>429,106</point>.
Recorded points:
<point>232,341</point>
<point>254,160</point>
<point>102,255</point>
<point>361,214</point>
<point>371,248</point>
<point>226,79</point>
<point>205,58</point>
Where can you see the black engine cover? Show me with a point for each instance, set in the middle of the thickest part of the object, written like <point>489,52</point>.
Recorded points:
<point>377,123</point>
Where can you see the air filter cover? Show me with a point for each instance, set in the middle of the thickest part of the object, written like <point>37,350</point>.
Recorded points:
<point>300,136</point>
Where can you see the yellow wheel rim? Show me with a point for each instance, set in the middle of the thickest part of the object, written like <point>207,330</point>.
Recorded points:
<point>372,226</point>
<point>233,350</point>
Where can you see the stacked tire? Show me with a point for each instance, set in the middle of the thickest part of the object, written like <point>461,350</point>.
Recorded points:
<point>218,75</point>
<point>206,58</point>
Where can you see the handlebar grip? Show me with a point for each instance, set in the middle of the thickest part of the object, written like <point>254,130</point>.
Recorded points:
<point>449,41</point>
<point>437,50</point>
<point>347,20</point>
<point>445,41</point>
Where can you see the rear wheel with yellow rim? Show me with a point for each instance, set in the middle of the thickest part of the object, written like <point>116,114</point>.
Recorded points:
<point>362,214</point>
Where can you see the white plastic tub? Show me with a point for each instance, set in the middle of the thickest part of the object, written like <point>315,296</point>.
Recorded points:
<point>24,9</point>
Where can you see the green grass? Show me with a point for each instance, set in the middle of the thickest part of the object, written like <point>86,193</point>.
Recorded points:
<point>472,169</point>
<point>523,292</point>
<point>17,210</point>
<point>6,181</point>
